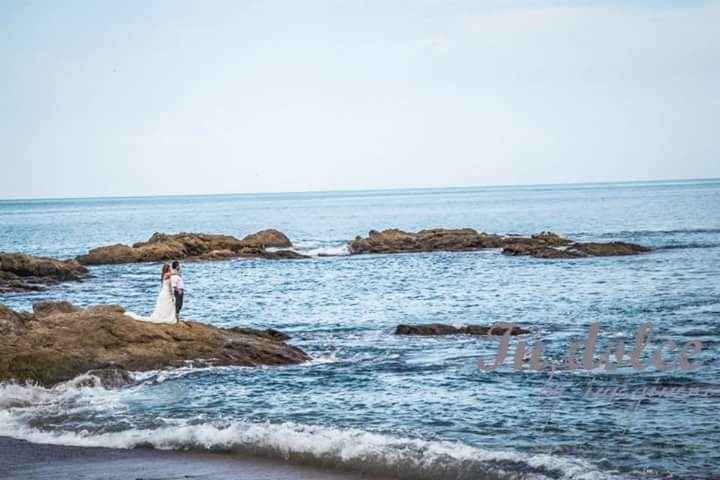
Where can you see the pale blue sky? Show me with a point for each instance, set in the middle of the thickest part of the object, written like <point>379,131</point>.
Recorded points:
<point>169,97</point>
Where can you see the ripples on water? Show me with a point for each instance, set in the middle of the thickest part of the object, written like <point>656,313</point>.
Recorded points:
<point>411,406</point>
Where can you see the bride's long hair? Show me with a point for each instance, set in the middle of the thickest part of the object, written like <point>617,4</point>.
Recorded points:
<point>165,269</point>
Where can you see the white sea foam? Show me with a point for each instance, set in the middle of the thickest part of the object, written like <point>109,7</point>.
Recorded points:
<point>320,249</point>
<point>323,359</point>
<point>375,453</point>
<point>16,395</point>
<point>162,376</point>
<point>330,447</point>
<point>331,251</point>
<point>73,392</point>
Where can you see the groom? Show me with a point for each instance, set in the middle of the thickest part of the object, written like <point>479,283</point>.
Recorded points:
<point>178,288</point>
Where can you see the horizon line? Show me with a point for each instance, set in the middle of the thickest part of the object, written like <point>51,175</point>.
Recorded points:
<point>353,190</point>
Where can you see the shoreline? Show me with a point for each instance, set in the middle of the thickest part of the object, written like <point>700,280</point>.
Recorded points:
<point>22,460</point>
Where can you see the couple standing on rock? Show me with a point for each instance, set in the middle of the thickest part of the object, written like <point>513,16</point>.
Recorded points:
<point>170,298</point>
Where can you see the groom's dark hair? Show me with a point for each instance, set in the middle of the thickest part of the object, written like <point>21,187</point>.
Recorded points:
<point>175,264</point>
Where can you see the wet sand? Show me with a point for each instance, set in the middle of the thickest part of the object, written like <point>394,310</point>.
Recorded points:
<point>20,460</point>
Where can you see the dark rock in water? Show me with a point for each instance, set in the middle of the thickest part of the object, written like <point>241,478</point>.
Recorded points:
<point>437,239</point>
<point>283,255</point>
<point>539,251</point>
<point>217,255</point>
<point>9,282</point>
<point>542,239</point>
<point>267,333</point>
<point>20,272</point>
<point>162,247</point>
<point>104,377</point>
<point>541,245</point>
<point>609,249</point>
<point>252,252</point>
<point>443,329</point>
<point>60,342</point>
<point>575,250</point>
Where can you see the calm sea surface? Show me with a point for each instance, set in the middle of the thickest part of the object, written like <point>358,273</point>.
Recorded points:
<point>417,407</point>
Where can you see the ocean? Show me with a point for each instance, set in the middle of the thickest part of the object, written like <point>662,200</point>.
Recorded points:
<point>410,407</point>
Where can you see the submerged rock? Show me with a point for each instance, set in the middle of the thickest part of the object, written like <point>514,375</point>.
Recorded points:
<point>192,246</point>
<point>20,272</point>
<point>443,329</point>
<point>59,342</point>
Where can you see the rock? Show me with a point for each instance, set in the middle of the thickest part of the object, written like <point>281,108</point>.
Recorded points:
<point>60,342</point>
<point>442,329</point>
<point>267,333</point>
<point>540,251</point>
<point>609,249</point>
<point>217,255</point>
<point>550,239</point>
<point>44,309</point>
<point>270,238</point>
<point>104,377</point>
<point>395,241</point>
<point>20,272</point>
<point>111,254</point>
<point>12,323</point>
<point>10,282</point>
<point>161,247</point>
<point>541,245</point>
<point>283,255</point>
<point>574,250</point>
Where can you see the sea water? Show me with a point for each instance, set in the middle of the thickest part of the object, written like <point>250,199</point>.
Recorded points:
<point>416,407</point>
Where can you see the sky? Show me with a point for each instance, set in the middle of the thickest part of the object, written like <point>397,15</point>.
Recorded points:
<point>194,97</point>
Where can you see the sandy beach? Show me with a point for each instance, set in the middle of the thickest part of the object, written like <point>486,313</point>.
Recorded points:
<point>22,460</point>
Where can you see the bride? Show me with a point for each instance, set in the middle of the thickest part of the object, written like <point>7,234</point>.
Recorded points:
<point>164,305</point>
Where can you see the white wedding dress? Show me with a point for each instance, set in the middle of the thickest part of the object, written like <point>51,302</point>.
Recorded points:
<point>164,307</point>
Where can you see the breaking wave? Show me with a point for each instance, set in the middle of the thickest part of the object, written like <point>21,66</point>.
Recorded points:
<point>322,248</point>
<point>327,447</point>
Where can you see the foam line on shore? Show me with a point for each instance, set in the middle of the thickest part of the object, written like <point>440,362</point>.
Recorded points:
<point>328,447</point>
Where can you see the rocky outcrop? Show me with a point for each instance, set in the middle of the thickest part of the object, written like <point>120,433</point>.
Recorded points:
<point>575,250</point>
<point>443,329</point>
<point>270,238</point>
<point>58,342</point>
<point>20,272</point>
<point>395,241</point>
<point>542,239</point>
<point>541,245</point>
<point>193,246</point>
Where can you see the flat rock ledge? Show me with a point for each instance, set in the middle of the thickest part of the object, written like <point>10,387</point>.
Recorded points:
<point>432,329</point>
<point>20,272</point>
<point>542,245</point>
<point>436,239</point>
<point>58,342</point>
<point>575,250</point>
<point>194,246</point>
